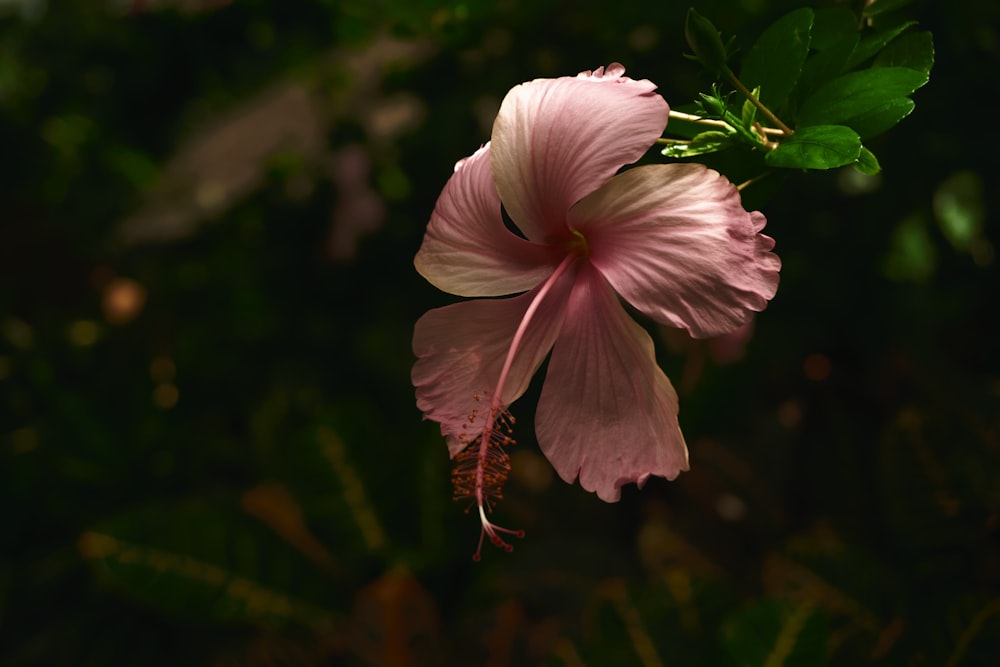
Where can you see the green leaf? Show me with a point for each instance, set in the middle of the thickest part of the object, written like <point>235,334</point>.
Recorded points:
<point>817,147</point>
<point>207,561</point>
<point>863,100</point>
<point>884,6</point>
<point>876,121</point>
<point>818,568</point>
<point>705,41</point>
<point>706,142</point>
<point>749,112</point>
<point>772,633</point>
<point>928,492</point>
<point>875,42</point>
<point>646,624</point>
<point>867,163</point>
<point>333,479</point>
<point>826,65</point>
<point>775,61</point>
<point>915,51</point>
<point>831,25</point>
<point>336,455</point>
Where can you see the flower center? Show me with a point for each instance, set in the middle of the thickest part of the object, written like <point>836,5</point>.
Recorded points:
<point>577,245</point>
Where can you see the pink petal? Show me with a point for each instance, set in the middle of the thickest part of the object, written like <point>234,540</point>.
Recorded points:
<point>467,250</point>
<point>607,412</point>
<point>675,241</point>
<point>557,140</point>
<point>461,349</point>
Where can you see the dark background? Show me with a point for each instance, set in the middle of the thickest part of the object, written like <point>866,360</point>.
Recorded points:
<point>209,449</point>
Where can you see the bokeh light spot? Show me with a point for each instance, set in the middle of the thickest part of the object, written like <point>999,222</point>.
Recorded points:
<point>165,396</point>
<point>18,333</point>
<point>123,300</point>
<point>817,367</point>
<point>790,414</point>
<point>83,333</point>
<point>730,507</point>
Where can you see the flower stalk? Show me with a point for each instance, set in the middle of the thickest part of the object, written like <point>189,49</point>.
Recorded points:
<point>754,100</point>
<point>711,122</point>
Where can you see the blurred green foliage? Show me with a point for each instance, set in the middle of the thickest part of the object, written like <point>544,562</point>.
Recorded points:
<point>209,451</point>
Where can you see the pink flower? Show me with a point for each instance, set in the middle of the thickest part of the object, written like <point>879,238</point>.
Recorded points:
<point>672,240</point>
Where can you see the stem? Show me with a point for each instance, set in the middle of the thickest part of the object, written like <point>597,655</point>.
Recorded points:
<point>680,115</point>
<point>755,179</point>
<point>772,131</point>
<point>757,103</point>
<point>766,132</point>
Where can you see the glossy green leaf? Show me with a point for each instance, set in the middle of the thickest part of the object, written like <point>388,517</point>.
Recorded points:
<point>831,25</point>
<point>826,65</point>
<point>884,6</point>
<point>834,38</point>
<point>874,42</point>
<point>915,51</point>
<point>776,634</point>
<point>817,147</point>
<point>879,119</point>
<point>206,561</point>
<point>857,94</point>
<point>867,163</point>
<point>775,60</point>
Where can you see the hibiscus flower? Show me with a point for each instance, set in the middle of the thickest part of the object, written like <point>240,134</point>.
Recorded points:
<point>671,240</point>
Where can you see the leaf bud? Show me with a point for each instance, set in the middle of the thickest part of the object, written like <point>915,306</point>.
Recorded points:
<point>713,105</point>
<point>706,42</point>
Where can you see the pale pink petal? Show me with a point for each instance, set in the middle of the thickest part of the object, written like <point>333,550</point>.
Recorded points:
<point>607,412</point>
<point>676,243</point>
<point>557,140</point>
<point>461,349</point>
<point>467,250</point>
<point>613,71</point>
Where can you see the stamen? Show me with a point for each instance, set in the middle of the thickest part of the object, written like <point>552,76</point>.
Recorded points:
<point>483,466</point>
<point>480,472</point>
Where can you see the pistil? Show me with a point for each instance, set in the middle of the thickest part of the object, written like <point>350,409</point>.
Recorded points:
<point>491,439</point>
